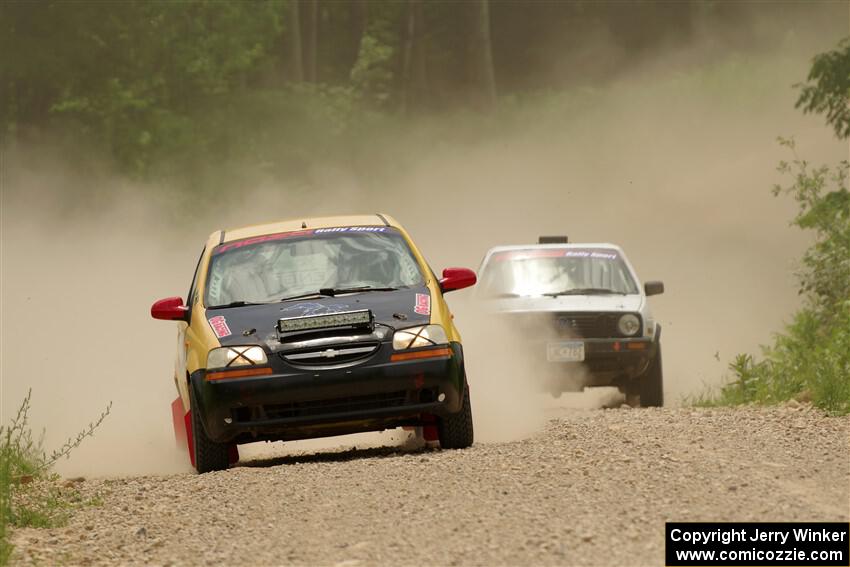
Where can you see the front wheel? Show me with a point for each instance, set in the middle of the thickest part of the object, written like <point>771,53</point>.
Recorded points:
<point>652,383</point>
<point>209,455</point>
<point>455,430</point>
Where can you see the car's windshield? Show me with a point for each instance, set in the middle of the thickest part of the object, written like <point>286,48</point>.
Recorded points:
<point>555,271</point>
<point>273,267</point>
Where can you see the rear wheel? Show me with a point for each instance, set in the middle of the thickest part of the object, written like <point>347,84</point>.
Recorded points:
<point>209,455</point>
<point>652,383</point>
<point>455,430</point>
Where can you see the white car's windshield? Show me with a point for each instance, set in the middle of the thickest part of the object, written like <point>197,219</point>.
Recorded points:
<point>553,271</point>
<point>273,267</point>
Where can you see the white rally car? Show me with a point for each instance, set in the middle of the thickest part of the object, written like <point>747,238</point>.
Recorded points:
<point>583,310</point>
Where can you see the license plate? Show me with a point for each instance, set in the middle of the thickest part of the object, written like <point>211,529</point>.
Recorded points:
<point>566,351</point>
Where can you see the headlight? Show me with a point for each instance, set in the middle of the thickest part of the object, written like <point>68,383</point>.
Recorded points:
<point>414,337</point>
<point>228,357</point>
<point>629,324</point>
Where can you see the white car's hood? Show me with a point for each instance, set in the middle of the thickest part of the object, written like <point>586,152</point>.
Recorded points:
<point>568,303</point>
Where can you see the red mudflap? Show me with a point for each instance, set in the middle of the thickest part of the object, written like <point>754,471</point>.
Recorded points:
<point>429,428</point>
<point>233,453</point>
<point>177,413</point>
<point>182,426</point>
<point>430,433</point>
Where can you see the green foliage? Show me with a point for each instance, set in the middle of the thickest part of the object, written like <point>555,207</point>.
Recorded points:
<point>128,73</point>
<point>812,357</point>
<point>156,85</point>
<point>23,462</point>
<point>826,278</point>
<point>827,90</point>
<point>372,75</point>
<point>807,361</point>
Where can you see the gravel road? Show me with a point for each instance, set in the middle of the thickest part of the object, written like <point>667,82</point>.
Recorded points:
<point>593,488</point>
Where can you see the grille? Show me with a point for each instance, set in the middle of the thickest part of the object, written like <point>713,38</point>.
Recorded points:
<point>328,356</point>
<point>588,325</point>
<point>350,404</point>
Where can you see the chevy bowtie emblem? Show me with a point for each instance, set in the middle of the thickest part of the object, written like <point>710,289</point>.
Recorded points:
<point>330,353</point>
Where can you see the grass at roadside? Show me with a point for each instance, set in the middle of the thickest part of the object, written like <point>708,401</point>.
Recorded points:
<point>30,495</point>
<point>806,363</point>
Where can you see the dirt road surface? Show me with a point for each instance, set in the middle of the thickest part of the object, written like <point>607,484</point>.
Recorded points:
<point>593,488</point>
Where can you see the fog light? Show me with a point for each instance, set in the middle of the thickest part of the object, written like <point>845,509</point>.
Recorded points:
<point>228,420</point>
<point>441,397</point>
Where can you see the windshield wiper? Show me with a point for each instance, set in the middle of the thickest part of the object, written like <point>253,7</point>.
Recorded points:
<point>239,303</point>
<point>360,289</point>
<point>332,291</point>
<point>586,291</point>
<point>302,296</point>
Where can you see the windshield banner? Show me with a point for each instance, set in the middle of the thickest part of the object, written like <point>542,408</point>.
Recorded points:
<point>599,253</point>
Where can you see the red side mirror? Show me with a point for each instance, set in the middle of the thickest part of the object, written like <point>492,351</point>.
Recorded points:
<point>169,309</point>
<point>457,278</point>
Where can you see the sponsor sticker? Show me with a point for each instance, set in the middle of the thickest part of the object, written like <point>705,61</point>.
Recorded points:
<point>352,229</point>
<point>219,326</point>
<point>604,255</point>
<point>423,304</point>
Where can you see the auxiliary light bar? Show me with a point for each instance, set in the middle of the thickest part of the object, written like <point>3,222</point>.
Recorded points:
<point>362,318</point>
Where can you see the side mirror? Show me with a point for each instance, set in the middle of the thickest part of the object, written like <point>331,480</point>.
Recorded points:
<point>653,288</point>
<point>457,278</point>
<point>169,309</point>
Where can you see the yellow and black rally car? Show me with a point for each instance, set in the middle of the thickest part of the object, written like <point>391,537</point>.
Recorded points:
<point>311,328</point>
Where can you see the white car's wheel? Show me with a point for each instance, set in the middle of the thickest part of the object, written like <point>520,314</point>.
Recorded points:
<point>652,383</point>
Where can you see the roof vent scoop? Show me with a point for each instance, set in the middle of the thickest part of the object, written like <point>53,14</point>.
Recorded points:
<point>552,240</point>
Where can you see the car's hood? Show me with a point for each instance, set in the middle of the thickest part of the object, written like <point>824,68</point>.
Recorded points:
<point>579,303</point>
<point>251,323</point>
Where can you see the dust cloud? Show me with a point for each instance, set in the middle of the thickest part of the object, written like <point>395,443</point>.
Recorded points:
<point>673,165</point>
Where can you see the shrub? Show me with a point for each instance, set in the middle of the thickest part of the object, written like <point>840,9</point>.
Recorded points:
<point>23,462</point>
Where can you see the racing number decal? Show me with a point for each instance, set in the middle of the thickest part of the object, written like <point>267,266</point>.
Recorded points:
<point>219,326</point>
<point>423,304</point>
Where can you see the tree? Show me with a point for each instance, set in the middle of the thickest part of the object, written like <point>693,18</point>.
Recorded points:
<point>413,59</point>
<point>311,40</point>
<point>827,90</point>
<point>359,18</point>
<point>480,55</point>
<point>293,43</point>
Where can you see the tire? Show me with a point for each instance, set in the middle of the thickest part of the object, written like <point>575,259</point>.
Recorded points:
<point>209,455</point>
<point>455,430</point>
<point>652,383</point>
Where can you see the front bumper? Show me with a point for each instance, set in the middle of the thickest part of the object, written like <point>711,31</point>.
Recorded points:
<point>629,357</point>
<point>606,362</point>
<point>298,403</point>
